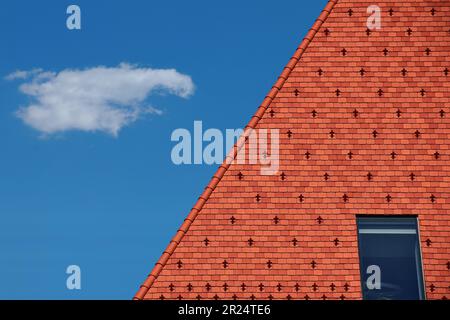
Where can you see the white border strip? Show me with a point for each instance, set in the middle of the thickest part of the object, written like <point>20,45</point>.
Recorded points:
<point>387,231</point>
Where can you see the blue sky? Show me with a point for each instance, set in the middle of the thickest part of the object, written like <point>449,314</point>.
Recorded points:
<point>110,204</point>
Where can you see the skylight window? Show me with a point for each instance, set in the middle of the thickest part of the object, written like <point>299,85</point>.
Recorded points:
<point>390,258</point>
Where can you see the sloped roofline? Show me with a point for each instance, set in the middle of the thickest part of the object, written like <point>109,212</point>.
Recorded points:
<point>145,287</point>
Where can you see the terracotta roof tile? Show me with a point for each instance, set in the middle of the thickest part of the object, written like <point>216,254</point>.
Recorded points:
<point>366,131</point>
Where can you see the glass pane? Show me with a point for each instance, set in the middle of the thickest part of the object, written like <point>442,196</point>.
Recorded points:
<point>390,258</point>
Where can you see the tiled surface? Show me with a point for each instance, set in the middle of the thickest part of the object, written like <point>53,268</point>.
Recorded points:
<point>379,146</point>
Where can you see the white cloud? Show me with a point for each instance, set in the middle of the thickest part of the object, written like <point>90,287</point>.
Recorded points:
<point>21,74</point>
<point>97,99</point>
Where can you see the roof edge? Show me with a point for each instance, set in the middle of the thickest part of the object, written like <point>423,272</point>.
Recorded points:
<point>145,287</point>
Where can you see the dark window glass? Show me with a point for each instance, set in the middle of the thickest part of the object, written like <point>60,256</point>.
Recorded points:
<point>390,260</point>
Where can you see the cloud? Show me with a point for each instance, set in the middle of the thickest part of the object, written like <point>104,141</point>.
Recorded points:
<point>96,99</point>
<point>21,74</point>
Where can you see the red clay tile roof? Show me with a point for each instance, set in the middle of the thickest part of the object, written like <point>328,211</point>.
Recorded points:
<point>368,114</point>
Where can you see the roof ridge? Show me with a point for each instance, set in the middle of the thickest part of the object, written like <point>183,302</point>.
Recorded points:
<point>145,287</point>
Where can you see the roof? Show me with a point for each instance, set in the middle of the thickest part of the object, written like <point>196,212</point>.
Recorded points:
<point>364,129</point>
